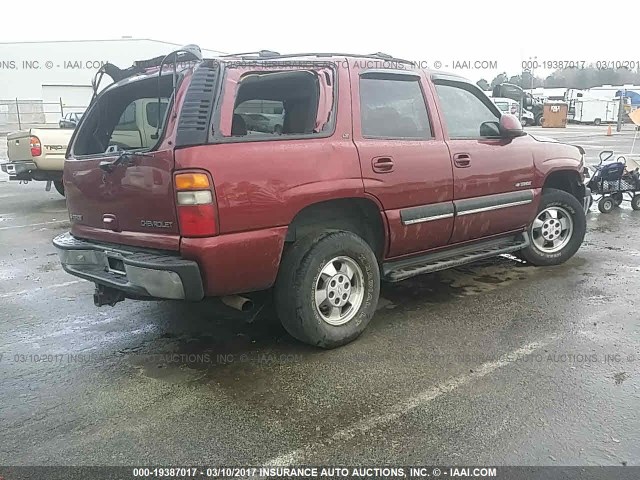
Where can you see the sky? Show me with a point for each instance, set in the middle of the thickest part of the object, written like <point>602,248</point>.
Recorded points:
<point>442,34</point>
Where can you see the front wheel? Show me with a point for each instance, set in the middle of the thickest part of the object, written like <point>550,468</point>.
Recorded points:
<point>557,231</point>
<point>606,204</point>
<point>327,288</point>
<point>59,186</point>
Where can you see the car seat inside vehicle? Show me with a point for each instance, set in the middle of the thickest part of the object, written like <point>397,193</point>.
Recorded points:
<point>297,93</point>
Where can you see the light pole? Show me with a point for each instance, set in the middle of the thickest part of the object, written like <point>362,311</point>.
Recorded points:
<point>623,95</point>
<point>533,72</point>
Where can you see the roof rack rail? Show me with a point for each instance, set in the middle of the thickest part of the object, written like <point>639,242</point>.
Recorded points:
<point>259,53</point>
<point>275,55</point>
<point>382,55</point>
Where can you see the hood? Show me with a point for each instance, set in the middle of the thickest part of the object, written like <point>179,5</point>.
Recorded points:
<point>540,138</point>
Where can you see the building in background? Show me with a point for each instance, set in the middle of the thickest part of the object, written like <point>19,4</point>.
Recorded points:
<point>43,80</point>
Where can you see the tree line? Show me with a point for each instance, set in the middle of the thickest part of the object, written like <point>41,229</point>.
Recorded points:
<point>581,78</point>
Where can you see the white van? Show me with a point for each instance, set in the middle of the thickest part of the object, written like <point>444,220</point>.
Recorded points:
<point>507,105</point>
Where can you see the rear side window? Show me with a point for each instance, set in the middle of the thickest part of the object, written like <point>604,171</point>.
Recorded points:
<point>283,103</point>
<point>466,114</point>
<point>393,107</point>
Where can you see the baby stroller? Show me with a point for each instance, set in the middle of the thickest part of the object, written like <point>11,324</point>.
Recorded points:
<point>612,180</point>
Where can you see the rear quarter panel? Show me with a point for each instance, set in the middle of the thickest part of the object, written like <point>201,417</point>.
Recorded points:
<point>264,184</point>
<point>260,186</point>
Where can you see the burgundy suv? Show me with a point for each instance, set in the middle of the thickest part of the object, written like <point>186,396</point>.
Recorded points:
<point>381,171</point>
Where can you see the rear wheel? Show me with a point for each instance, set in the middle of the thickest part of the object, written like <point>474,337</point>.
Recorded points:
<point>635,202</point>
<point>606,204</point>
<point>557,231</point>
<point>597,122</point>
<point>59,186</point>
<point>327,288</point>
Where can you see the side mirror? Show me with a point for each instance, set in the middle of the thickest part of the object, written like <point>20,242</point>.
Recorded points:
<point>510,126</point>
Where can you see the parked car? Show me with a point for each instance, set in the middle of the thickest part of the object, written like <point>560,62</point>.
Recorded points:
<point>378,175</point>
<point>515,92</point>
<point>39,153</point>
<point>507,105</point>
<point>262,122</point>
<point>70,120</point>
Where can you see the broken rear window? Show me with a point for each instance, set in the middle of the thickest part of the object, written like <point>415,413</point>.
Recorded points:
<point>126,117</point>
<point>282,103</point>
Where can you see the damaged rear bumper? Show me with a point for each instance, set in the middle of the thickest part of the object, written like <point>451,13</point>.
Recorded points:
<point>136,273</point>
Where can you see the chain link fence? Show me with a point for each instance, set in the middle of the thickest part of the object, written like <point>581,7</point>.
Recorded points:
<point>17,114</point>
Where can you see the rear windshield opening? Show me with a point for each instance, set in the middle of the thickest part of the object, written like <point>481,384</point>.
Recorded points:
<point>281,103</point>
<point>128,117</point>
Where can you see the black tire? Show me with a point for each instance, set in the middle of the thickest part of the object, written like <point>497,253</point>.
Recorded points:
<point>590,201</point>
<point>539,120</point>
<point>635,202</point>
<point>606,204</point>
<point>617,198</point>
<point>597,122</point>
<point>277,129</point>
<point>550,198</point>
<point>59,186</point>
<point>297,280</point>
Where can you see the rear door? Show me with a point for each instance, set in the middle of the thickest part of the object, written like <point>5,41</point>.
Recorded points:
<point>133,204</point>
<point>404,160</point>
<point>492,175</point>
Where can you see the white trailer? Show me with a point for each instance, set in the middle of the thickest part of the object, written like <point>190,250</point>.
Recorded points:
<point>594,111</point>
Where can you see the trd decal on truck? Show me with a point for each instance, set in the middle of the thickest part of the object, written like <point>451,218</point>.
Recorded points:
<point>155,224</point>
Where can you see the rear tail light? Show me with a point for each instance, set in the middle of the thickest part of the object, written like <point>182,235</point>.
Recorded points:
<point>196,210</point>
<point>36,147</point>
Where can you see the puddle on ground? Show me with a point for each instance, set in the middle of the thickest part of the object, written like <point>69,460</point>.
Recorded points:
<point>473,279</point>
<point>478,279</point>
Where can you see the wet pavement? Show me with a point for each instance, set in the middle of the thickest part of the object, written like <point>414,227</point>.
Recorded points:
<point>494,363</point>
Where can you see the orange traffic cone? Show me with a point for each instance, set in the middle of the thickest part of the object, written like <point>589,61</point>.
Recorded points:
<point>609,131</point>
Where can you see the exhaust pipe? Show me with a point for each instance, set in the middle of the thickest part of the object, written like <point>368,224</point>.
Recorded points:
<point>242,304</point>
